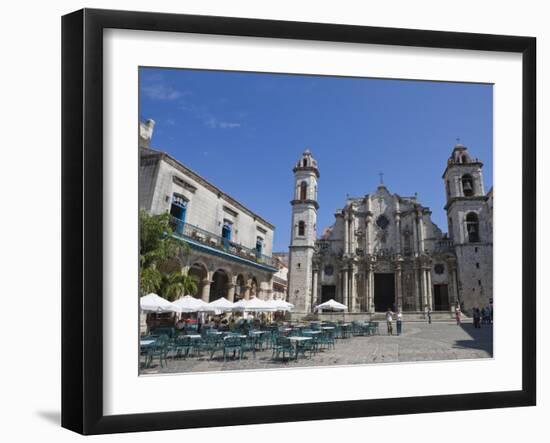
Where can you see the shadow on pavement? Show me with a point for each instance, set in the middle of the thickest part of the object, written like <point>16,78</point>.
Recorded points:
<point>481,338</point>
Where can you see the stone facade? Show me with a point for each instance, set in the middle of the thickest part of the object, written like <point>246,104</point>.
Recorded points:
<point>384,251</point>
<point>230,250</point>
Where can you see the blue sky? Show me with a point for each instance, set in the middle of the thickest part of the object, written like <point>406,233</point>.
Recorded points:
<point>244,132</point>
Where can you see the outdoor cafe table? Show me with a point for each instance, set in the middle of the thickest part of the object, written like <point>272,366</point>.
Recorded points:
<point>312,332</point>
<point>146,342</point>
<point>327,328</point>
<point>296,340</point>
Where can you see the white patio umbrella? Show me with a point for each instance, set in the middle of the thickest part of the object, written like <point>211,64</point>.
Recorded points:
<point>280,305</point>
<point>189,303</point>
<point>332,305</point>
<point>253,304</point>
<point>154,303</point>
<point>219,305</point>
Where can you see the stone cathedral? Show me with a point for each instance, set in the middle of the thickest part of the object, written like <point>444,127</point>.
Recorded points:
<point>384,251</point>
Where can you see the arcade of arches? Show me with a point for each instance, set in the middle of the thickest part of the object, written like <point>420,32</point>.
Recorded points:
<point>232,281</point>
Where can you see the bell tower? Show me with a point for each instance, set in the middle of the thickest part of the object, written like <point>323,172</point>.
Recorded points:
<point>469,222</point>
<point>303,232</point>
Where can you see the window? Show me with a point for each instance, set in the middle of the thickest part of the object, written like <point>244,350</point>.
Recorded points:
<point>178,210</point>
<point>439,268</point>
<point>259,245</point>
<point>475,249</point>
<point>305,162</point>
<point>329,270</point>
<point>302,228</point>
<point>479,282</point>
<point>448,186</point>
<point>303,191</point>
<point>226,230</point>
<point>467,185</point>
<point>382,222</point>
<point>472,227</point>
<point>477,265</point>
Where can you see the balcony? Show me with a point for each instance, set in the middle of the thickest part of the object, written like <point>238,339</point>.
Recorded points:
<point>187,231</point>
<point>444,245</point>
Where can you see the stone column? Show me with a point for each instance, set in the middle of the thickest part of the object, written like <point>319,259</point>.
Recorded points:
<point>247,288</point>
<point>454,287</point>
<point>230,291</point>
<point>415,233</point>
<point>346,233</point>
<point>399,289</point>
<point>345,286</point>
<point>370,306</point>
<point>398,231</point>
<point>367,233</point>
<point>353,291</point>
<point>314,298</point>
<point>352,234</point>
<point>429,287</point>
<point>423,287</point>
<point>417,297</point>
<point>420,233</point>
<point>206,288</point>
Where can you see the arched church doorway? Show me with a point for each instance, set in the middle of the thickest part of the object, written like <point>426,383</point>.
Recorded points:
<point>384,292</point>
<point>441,298</point>
<point>328,292</point>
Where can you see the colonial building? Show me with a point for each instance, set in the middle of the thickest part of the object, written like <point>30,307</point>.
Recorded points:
<point>384,251</point>
<point>230,247</point>
<point>280,279</point>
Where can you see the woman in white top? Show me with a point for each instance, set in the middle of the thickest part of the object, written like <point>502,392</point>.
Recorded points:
<point>399,321</point>
<point>389,319</point>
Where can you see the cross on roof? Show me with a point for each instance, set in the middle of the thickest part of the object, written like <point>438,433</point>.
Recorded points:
<point>381,174</point>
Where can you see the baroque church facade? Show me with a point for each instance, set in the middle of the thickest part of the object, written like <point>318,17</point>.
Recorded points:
<point>384,251</point>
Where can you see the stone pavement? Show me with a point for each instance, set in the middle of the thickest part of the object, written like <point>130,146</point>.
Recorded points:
<point>419,342</point>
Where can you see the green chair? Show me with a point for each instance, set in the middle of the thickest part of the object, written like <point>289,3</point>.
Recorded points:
<point>210,345</point>
<point>282,346</point>
<point>249,344</point>
<point>232,344</point>
<point>302,347</point>
<point>159,350</point>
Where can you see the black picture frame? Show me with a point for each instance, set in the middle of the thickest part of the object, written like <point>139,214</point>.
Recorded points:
<point>82,218</point>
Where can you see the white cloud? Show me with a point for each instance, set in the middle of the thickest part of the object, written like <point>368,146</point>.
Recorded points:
<point>158,91</point>
<point>229,125</point>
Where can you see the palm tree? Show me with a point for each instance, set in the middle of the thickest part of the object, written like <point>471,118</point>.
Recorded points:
<point>175,284</point>
<point>149,280</point>
<point>190,284</point>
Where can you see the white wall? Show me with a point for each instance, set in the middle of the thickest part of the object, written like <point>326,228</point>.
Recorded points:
<point>30,81</point>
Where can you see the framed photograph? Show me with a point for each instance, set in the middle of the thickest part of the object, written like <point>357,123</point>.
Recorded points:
<point>268,221</point>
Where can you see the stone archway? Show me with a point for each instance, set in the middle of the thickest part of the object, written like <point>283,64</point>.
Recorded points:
<point>218,288</point>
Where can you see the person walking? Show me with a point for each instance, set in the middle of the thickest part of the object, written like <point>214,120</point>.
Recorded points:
<point>399,321</point>
<point>457,314</point>
<point>389,319</point>
<point>428,314</point>
<point>477,317</point>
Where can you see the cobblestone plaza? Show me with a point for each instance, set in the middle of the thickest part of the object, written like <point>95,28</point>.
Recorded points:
<point>418,342</point>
